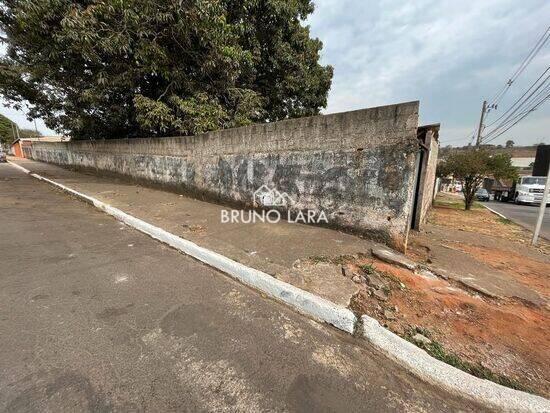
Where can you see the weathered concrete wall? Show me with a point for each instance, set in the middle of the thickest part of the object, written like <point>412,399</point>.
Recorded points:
<point>358,167</point>
<point>429,137</point>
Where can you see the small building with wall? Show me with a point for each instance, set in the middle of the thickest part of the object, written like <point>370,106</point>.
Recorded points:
<point>17,145</point>
<point>16,149</point>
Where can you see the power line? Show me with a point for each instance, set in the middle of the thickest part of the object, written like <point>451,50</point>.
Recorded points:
<point>470,137</point>
<point>524,102</point>
<point>493,104</point>
<point>511,119</point>
<point>514,120</point>
<point>521,118</point>
<point>454,139</point>
<point>521,97</point>
<point>534,51</point>
<point>530,102</point>
<point>517,109</point>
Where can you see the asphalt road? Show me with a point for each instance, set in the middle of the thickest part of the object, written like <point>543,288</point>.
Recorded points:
<point>98,317</point>
<point>524,215</point>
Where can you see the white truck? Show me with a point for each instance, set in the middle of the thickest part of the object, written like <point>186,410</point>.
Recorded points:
<point>526,190</point>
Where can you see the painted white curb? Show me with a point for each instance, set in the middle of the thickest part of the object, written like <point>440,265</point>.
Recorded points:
<point>304,301</point>
<point>406,354</point>
<point>495,212</point>
<point>19,167</point>
<point>456,381</point>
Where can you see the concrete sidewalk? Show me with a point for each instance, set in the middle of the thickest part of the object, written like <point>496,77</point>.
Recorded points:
<point>308,257</point>
<point>302,255</point>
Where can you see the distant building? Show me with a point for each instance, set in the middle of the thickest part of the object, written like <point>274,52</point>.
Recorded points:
<point>525,164</point>
<point>18,144</point>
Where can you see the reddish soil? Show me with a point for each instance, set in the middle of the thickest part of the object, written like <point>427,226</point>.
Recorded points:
<point>507,336</point>
<point>531,272</point>
<point>481,221</point>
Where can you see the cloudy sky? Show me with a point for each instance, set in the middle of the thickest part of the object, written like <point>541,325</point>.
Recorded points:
<point>450,55</point>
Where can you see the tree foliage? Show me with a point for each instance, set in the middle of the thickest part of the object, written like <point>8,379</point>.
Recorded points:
<point>127,68</point>
<point>471,166</point>
<point>29,133</point>
<point>6,131</point>
<point>9,130</point>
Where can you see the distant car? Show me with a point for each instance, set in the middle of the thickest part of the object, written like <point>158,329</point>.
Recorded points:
<point>3,157</point>
<point>482,194</point>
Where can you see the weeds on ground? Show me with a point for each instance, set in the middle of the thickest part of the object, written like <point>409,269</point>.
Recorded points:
<point>394,281</point>
<point>436,350</point>
<point>339,260</point>
<point>343,259</point>
<point>422,330</point>
<point>368,268</point>
<point>454,203</point>
<point>505,221</point>
<point>319,258</point>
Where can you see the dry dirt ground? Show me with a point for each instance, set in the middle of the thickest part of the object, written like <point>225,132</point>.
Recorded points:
<point>505,338</point>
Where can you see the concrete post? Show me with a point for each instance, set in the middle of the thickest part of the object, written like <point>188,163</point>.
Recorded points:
<point>541,210</point>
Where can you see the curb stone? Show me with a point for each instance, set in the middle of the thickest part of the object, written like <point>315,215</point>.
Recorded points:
<point>495,212</point>
<point>19,167</point>
<point>455,381</point>
<point>406,354</point>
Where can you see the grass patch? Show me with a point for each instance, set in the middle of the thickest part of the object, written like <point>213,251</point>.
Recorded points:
<point>422,330</point>
<point>319,258</point>
<point>394,281</point>
<point>368,268</point>
<point>342,259</point>
<point>454,203</point>
<point>339,260</point>
<point>505,221</point>
<point>443,203</point>
<point>436,350</point>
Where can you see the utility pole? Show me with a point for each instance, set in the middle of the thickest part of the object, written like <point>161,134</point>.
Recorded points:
<point>542,208</point>
<point>480,128</point>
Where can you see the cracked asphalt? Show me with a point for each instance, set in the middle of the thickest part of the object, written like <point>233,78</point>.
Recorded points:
<point>95,316</point>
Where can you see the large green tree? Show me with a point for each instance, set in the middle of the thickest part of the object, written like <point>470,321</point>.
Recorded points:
<point>471,166</point>
<point>128,68</point>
